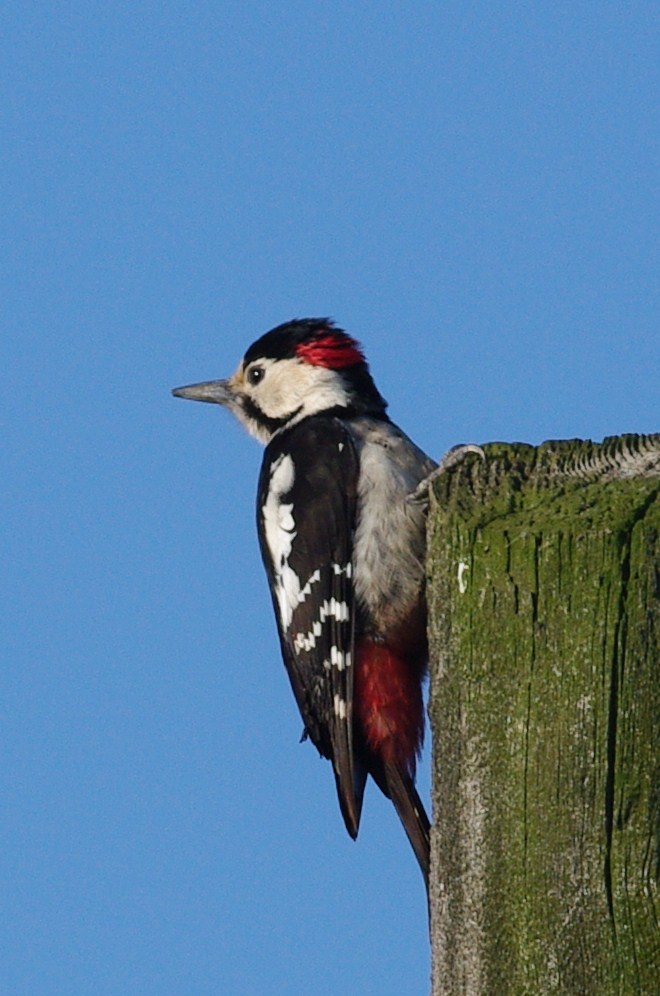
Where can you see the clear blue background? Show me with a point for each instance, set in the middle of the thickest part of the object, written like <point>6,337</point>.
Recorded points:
<point>469,188</point>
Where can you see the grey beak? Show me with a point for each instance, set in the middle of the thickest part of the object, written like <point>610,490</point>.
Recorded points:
<point>216,392</point>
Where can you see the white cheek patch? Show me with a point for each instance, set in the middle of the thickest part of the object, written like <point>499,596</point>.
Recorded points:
<point>293,389</point>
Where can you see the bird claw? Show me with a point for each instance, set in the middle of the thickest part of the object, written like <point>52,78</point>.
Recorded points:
<point>451,459</point>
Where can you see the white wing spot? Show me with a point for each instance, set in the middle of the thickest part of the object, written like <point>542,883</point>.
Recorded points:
<point>339,658</point>
<point>334,608</point>
<point>307,641</point>
<point>304,592</point>
<point>340,707</point>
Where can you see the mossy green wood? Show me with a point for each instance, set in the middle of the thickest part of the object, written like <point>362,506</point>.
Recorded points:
<point>544,599</point>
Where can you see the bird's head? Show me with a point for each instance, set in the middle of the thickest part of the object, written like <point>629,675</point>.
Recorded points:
<point>302,368</point>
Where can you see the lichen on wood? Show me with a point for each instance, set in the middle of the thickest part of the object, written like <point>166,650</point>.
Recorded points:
<point>544,619</point>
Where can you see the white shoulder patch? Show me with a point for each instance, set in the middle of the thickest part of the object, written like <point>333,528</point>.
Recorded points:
<point>280,532</point>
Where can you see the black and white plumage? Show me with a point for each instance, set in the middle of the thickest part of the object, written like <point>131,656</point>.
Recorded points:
<point>305,515</point>
<point>343,549</point>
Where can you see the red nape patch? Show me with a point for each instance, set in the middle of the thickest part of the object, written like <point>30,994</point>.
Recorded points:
<point>331,350</point>
<point>387,700</point>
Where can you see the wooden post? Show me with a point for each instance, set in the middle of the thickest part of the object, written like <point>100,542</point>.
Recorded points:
<point>544,599</point>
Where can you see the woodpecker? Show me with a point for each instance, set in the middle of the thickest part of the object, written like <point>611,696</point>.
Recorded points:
<point>343,549</point>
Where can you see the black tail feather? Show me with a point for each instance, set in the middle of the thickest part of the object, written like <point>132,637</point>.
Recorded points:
<point>351,794</point>
<point>410,808</point>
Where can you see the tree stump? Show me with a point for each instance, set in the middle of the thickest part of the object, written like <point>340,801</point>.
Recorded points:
<point>544,619</point>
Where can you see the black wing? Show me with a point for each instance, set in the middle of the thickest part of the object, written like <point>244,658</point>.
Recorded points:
<point>306,517</point>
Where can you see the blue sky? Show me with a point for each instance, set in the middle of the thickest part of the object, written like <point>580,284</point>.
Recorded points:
<point>472,190</point>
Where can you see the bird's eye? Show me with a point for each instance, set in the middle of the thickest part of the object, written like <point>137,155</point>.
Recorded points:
<point>255,374</point>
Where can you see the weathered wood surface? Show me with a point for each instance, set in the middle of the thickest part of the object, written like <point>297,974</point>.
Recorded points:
<point>544,594</point>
